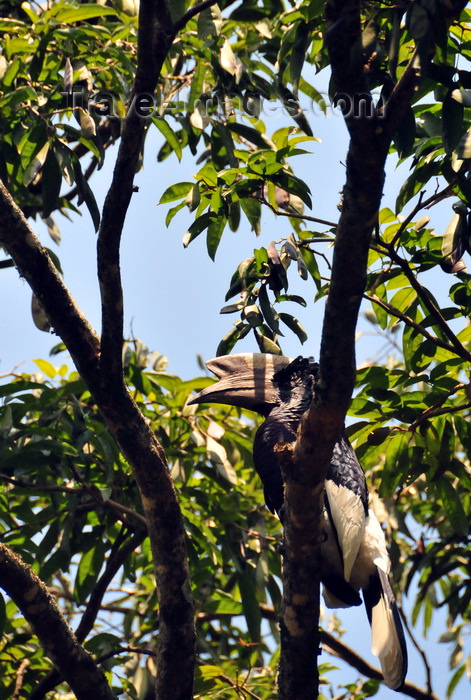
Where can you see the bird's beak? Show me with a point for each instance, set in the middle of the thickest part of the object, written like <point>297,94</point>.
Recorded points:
<point>245,380</point>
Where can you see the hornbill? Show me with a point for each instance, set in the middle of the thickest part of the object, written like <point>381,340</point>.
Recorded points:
<point>353,550</point>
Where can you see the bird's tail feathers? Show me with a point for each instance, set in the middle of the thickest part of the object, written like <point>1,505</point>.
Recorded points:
<point>387,636</point>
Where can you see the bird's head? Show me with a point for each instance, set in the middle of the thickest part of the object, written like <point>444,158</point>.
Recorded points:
<point>258,381</point>
<point>246,380</point>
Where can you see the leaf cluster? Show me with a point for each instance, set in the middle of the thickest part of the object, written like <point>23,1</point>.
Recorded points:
<point>71,509</point>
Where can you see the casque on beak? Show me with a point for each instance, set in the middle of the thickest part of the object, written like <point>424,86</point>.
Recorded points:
<point>245,380</point>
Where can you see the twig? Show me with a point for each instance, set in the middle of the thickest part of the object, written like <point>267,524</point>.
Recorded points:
<point>428,670</point>
<point>192,12</point>
<point>457,349</point>
<point>239,688</point>
<point>302,217</point>
<point>20,676</point>
<point>337,648</point>
<point>428,303</point>
<point>126,650</point>
<point>84,490</point>
<point>437,409</point>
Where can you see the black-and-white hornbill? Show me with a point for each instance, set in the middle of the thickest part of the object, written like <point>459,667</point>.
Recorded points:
<point>354,554</point>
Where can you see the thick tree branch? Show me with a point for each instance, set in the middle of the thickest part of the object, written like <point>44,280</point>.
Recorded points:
<point>60,644</point>
<point>304,465</point>
<point>113,564</point>
<point>103,372</point>
<point>37,267</point>
<point>155,36</point>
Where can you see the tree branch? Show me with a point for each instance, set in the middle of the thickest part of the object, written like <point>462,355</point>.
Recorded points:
<point>60,644</point>
<point>20,676</point>
<point>155,36</point>
<point>427,301</point>
<point>301,217</point>
<point>36,266</point>
<point>463,353</point>
<point>192,12</point>
<point>304,465</point>
<point>113,564</point>
<point>337,648</point>
<point>103,372</point>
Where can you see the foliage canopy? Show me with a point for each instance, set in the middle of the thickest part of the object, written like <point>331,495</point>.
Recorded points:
<point>76,78</point>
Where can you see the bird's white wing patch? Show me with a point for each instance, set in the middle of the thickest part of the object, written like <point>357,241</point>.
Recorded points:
<point>348,515</point>
<point>374,536</point>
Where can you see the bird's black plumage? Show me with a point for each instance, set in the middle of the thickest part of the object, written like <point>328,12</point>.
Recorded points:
<point>295,385</point>
<point>354,555</point>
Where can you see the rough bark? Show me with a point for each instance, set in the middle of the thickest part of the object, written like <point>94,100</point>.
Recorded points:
<point>59,642</point>
<point>305,464</point>
<point>114,562</point>
<point>100,364</point>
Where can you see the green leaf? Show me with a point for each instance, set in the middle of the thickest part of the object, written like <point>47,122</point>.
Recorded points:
<point>168,133</point>
<point>224,604</point>
<point>252,209</point>
<point>209,23</point>
<point>250,606</point>
<point>230,339</point>
<point>403,299</point>
<point>88,571</point>
<point>311,263</point>
<point>176,191</point>
<point>269,313</point>
<point>11,73</point>
<point>102,643</point>
<point>214,235</point>
<point>265,344</point>
<point>222,135</point>
<point>453,507</point>
<point>298,52</point>
<point>405,135</point>
<point>72,15</point>
<point>35,165</point>
<point>292,297</point>
<point>395,463</point>
<point>51,184</point>
<point>197,85</point>
<point>208,175</point>
<point>46,367</point>
<point>415,182</point>
<point>172,211</point>
<point>452,122</point>
<point>86,192</point>
<point>198,225</point>
<point>455,679</point>
<point>294,325</point>
<point>251,134</point>
<point>233,215</point>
